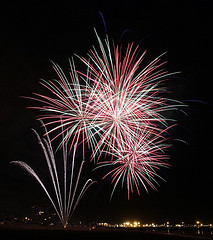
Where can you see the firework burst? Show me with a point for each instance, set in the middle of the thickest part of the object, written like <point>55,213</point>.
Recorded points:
<point>117,107</point>
<point>70,107</point>
<point>137,164</point>
<point>127,97</point>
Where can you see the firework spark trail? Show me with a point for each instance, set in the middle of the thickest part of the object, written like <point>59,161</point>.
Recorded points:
<point>66,198</point>
<point>116,105</point>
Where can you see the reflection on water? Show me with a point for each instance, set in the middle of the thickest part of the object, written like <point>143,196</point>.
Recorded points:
<point>186,231</point>
<point>199,232</point>
<point>168,233</point>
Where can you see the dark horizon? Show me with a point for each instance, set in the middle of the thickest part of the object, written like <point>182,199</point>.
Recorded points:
<point>33,33</point>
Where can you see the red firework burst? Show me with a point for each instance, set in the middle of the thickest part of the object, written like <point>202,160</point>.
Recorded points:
<point>118,109</point>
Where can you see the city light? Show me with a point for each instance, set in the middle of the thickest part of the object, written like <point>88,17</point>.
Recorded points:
<point>167,224</point>
<point>130,224</point>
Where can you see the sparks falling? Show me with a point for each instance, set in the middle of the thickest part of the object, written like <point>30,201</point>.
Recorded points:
<point>66,196</point>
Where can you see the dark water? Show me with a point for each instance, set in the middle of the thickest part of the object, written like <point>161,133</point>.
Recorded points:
<point>6,234</point>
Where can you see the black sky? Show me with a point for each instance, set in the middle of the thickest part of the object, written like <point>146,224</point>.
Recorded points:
<point>32,33</point>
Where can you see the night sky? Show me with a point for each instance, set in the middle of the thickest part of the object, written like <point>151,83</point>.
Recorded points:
<point>33,32</point>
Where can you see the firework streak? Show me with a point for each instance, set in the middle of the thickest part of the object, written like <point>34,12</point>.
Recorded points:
<point>66,197</point>
<point>118,108</point>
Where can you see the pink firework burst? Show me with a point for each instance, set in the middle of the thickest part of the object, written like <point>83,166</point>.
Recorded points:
<point>118,108</point>
<point>128,97</point>
<point>137,163</point>
<point>68,106</point>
